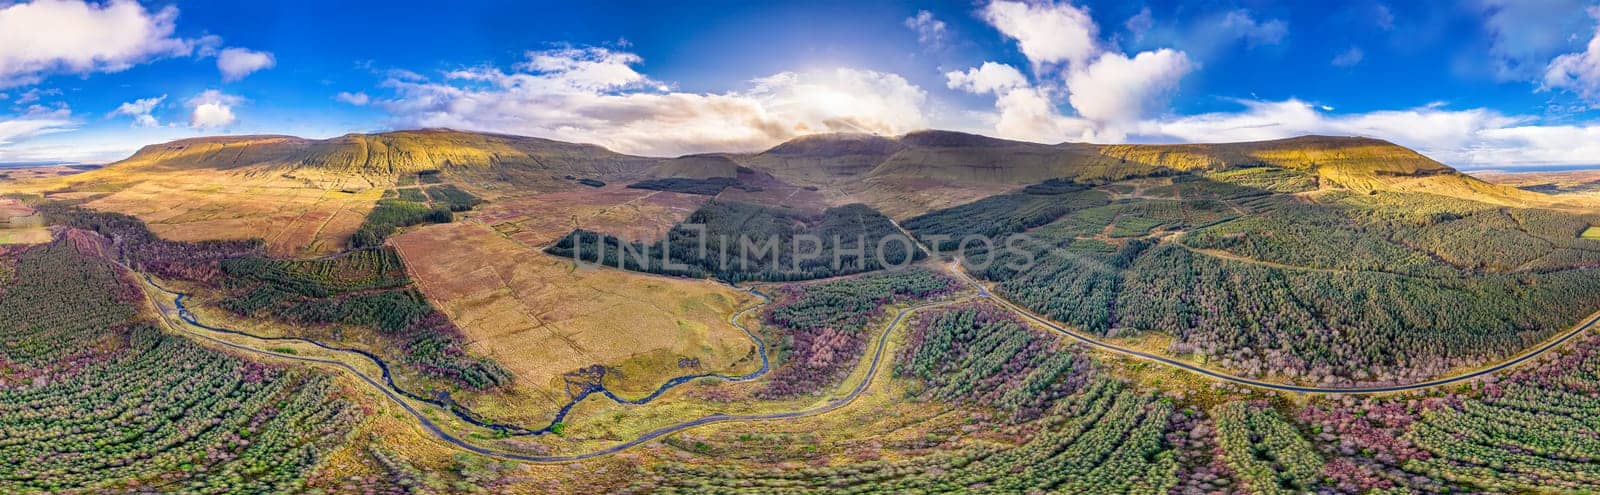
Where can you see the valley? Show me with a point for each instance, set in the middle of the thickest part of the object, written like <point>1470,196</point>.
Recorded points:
<point>1164,314</point>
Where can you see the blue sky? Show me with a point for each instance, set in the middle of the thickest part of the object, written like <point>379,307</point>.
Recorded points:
<point>1476,83</point>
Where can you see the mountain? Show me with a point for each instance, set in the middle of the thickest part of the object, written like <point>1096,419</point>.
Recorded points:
<point>695,167</point>
<point>900,175</point>
<point>940,159</point>
<point>383,157</point>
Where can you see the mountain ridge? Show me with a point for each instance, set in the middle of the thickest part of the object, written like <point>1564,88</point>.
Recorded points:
<point>845,160</point>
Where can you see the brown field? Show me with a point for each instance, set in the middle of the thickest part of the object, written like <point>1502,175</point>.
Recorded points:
<point>13,211</point>
<point>905,198</point>
<point>44,172</point>
<point>1554,182</point>
<point>628,213</point>
<point>293,217</point>
<point>19,224</point>
<point>26,235</point>
<point>542,317</point>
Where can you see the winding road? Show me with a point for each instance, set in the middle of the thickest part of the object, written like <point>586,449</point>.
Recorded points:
<point>1098,344</point>
<point>399,396</point>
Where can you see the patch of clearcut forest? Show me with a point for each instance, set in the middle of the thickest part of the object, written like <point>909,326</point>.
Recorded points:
<point>1253,270</point>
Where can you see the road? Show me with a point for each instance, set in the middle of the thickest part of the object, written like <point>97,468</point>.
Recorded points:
<point>875,364</point>
<point>1223,376</point>
<point>955,268</point>
<point>399,396</point>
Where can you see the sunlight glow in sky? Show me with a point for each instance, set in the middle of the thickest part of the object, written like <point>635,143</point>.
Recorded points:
<point>1475,83</point>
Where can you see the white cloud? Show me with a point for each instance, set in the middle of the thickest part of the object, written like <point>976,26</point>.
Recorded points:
<point>1578,72</point>
<point>140,111</point>
<point>991,77</point>
<point>33,95</point>
<point>17,131</point>
<point>571,69</point>
<point>594,95</point>
<point>1256,33</point>
<point>405,75</point>
<point>1109,90</point>
<point>1030,115</point>
<point>35,123</point>
<point>1117,90</point>
<point>212,109</point>
<point>62,36</point>
<point>1047,33</point>
<point>236,63</point>
<point>1349,58</point>
<point>358,98</point>
<point>1524,35</point>
<point>930,31</point>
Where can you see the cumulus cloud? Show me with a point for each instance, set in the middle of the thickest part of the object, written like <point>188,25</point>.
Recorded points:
<point>140,111</point>
<point>1029,114</point>
<point>1524,35</point>
<point>212,109</point>
<point>594,95</point>
<point>1109,90</point>
<point>74,37</point>
<point>236,63</point>
<point>991,77</point>
<point>1578,72</point>
<point>1349,58</point>
<point>930,31</point>
<point>1046,32</point>
<point>1117,90</point>
<point>358,98</point>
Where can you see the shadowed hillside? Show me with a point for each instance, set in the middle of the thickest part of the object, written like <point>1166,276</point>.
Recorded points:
<point>904,169</point>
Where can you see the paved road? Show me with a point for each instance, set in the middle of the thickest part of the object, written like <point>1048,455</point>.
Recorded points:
<point>438,432</point>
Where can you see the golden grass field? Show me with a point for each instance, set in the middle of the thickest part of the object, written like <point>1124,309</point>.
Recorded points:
<point>42,172</point>
<point>293,217</point>
<point>538,220</point>
<point>541,317</point>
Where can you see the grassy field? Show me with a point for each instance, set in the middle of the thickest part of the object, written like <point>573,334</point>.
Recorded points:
<point>27,235</point>
<point>541,318</point>
<point>19,224</point>
<point>540,219</point>
<point>294,217</point>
